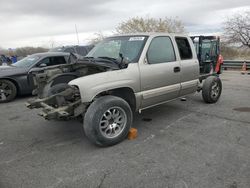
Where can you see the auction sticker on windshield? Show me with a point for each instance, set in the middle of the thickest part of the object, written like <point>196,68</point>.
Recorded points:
<point>136,38</point>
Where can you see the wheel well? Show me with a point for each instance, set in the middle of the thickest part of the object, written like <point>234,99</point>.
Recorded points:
<point>63,79</point>
<point>125,93</point>
<point>14,82</point>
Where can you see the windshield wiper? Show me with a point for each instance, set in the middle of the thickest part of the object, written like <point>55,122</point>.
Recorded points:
<point>89,58</point>
<point>121,64</point>
<point>108,58</point>
<point>124,62</point>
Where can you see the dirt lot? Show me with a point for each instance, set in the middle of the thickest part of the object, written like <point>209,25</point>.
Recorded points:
<point>182,144</point>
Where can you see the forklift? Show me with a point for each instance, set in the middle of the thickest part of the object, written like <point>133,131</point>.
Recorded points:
<point>208,54</point>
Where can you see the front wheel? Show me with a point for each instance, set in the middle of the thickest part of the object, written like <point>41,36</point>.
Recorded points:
<point>8,91</point>
<point>108,120</point>
<point>211,89</point>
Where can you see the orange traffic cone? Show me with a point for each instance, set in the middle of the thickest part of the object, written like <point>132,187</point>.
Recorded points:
<point>132,134</point>
<point>244,68</point>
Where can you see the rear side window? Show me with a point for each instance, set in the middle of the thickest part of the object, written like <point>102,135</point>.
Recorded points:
<point>184,48</point>
<point>161,51</point>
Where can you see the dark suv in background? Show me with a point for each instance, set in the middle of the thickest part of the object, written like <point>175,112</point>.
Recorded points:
<point>80,50</point>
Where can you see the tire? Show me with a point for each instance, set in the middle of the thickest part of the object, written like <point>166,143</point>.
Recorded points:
<point>8,91</point>
<point>101,121</point>
<point>56,89</point>
<point>211,89</point>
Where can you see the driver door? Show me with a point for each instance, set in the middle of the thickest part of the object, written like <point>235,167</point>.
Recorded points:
<point>160,73</point>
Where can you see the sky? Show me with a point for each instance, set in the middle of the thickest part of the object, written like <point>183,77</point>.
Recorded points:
<point>50,23</point>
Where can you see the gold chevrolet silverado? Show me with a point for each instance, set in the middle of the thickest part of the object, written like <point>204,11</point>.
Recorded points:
<point>119,76</point>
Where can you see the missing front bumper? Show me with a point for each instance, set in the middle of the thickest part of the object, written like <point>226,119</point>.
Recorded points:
<point>61,106</point>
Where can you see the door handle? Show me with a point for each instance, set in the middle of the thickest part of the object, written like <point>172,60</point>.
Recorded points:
<point>177,69</point>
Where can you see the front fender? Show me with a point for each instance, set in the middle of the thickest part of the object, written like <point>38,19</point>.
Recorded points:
<point>90,86</point>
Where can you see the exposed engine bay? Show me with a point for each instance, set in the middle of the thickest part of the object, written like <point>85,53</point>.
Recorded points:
<point>58,99</point>
<point>47,77</point>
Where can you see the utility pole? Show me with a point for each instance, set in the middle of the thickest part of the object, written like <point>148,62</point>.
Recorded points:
<point>77,35</point>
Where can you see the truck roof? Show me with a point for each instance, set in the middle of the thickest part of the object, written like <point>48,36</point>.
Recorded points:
<point>152,34</point>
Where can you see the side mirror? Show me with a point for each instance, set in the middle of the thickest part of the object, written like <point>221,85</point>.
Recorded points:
<point>42,65</point>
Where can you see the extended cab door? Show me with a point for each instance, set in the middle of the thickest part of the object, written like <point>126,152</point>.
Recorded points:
<point>160,76</point>
<point>189,72</point>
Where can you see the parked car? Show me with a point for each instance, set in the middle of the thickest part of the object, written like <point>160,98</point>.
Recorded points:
<point>80,50</point>
<point>14,79</point>
<point>122,75</point>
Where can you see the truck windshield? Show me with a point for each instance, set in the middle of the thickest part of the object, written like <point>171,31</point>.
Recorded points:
<point>127,47</point>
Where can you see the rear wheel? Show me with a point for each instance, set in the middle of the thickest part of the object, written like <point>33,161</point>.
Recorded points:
<point>8,91</point>
<point>107,121</point>
<point>211,89</point>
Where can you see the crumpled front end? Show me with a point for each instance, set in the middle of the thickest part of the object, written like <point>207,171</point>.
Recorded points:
<point>39,78</point>
<point>62,106</point>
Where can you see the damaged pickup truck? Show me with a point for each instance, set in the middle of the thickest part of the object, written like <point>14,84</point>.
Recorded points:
<point>122,75</point>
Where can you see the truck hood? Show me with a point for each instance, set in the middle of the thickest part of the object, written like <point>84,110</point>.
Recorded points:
<point>91,85</point>
<point>11,71</point>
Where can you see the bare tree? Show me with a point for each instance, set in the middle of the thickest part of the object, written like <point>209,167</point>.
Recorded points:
<point>231,52</point>
<point>99,36</point>
<point>237,29</point>
<point>24,51</point>
<point>139,24</point>
<point>52,43</point>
